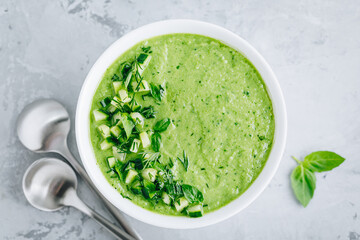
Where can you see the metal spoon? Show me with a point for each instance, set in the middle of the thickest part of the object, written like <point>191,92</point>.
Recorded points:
<point>50,184</point>
<point>43,126</point>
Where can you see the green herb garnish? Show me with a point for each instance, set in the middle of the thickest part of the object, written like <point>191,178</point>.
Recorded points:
<point>147,112</point>
<point>124,196</point>
<point>156,141</point>
<point>192,194</point>
<point>157,92</point>
<point>146,49</point>
<point>115,78</point>
<point>162,125</point>
<point>184,160</point>
<point>303,180</point>
<point>106,101</point>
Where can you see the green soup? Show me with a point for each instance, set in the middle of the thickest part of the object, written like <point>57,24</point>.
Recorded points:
<point>221,116</point>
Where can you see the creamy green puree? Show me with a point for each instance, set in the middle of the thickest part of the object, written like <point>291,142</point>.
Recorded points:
<point>221,116</point>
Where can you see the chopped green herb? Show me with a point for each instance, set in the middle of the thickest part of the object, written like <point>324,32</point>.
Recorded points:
<point>146,49</point>
<point>156,141</point>
<point>124,196</point>
<point>147,112</point>
<point>162,125</point>
<point>157,92</point>
<point>184,160</point>
<point>115,78</point>
<point>106,101</point>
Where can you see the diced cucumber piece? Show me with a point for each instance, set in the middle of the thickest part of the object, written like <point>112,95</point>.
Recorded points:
<point>106,101</point>
<point>135,146</point>
<point>149,174</point>
<point>106,144</point>
<point>195,211</point>
<point>136,187</point>
<point>111,161</point>
<point>135,106</point>
<point>143,86</point>
<point>111,108</point>
<point>116,102</point>
<point>116,119</point>
<point>145,140</point>
<point>149,189</point>
<point>117,86</point>
<point>143,60</point>
<point>166,198</point>
<point>119,154</point>
<point>104,130</point>
<point>115,131</point>
<point>138,118</point>
<point>99,115</point>
<point>181,203</point>
<point>124,96</point>
<point>128,79</point>
<point>128,124</point>
<point>130,176</point>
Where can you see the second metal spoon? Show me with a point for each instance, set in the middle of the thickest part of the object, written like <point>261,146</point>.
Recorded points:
<point>50,184</point>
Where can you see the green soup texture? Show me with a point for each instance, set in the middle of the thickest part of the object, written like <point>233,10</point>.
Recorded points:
<point>222,117</point>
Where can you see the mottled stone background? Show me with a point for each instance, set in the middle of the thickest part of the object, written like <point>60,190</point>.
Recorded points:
<point>47,48</point>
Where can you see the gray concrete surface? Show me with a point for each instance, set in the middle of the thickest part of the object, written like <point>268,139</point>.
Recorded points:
<point>47,48</point>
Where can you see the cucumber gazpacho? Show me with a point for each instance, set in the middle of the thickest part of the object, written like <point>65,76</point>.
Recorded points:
<point>181,124</point>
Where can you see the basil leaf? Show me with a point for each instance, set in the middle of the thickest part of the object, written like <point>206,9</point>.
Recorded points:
<point>156,141</point>
<point>162,125</point>
<point>192,194</point>
<point>157,92</point>
<point>128,124</point>
<point>322,161</point>
<point>149,189</point>
<point>303,183</point>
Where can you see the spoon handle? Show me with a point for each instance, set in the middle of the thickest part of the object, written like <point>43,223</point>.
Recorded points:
<point>71,199</point>
<point>64,151</point>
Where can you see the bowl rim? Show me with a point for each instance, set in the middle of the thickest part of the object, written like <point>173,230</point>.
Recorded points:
<point>82,121</point>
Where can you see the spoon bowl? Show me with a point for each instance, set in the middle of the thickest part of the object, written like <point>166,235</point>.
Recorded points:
<point>43,126</point>
<point>46,181</point>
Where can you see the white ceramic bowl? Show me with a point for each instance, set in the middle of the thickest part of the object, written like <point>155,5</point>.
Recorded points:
<point>167,27</point>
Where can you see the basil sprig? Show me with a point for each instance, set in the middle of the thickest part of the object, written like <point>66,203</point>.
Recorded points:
<point>303,180</point>
<point>192,194</point>
<point>160,126</point>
